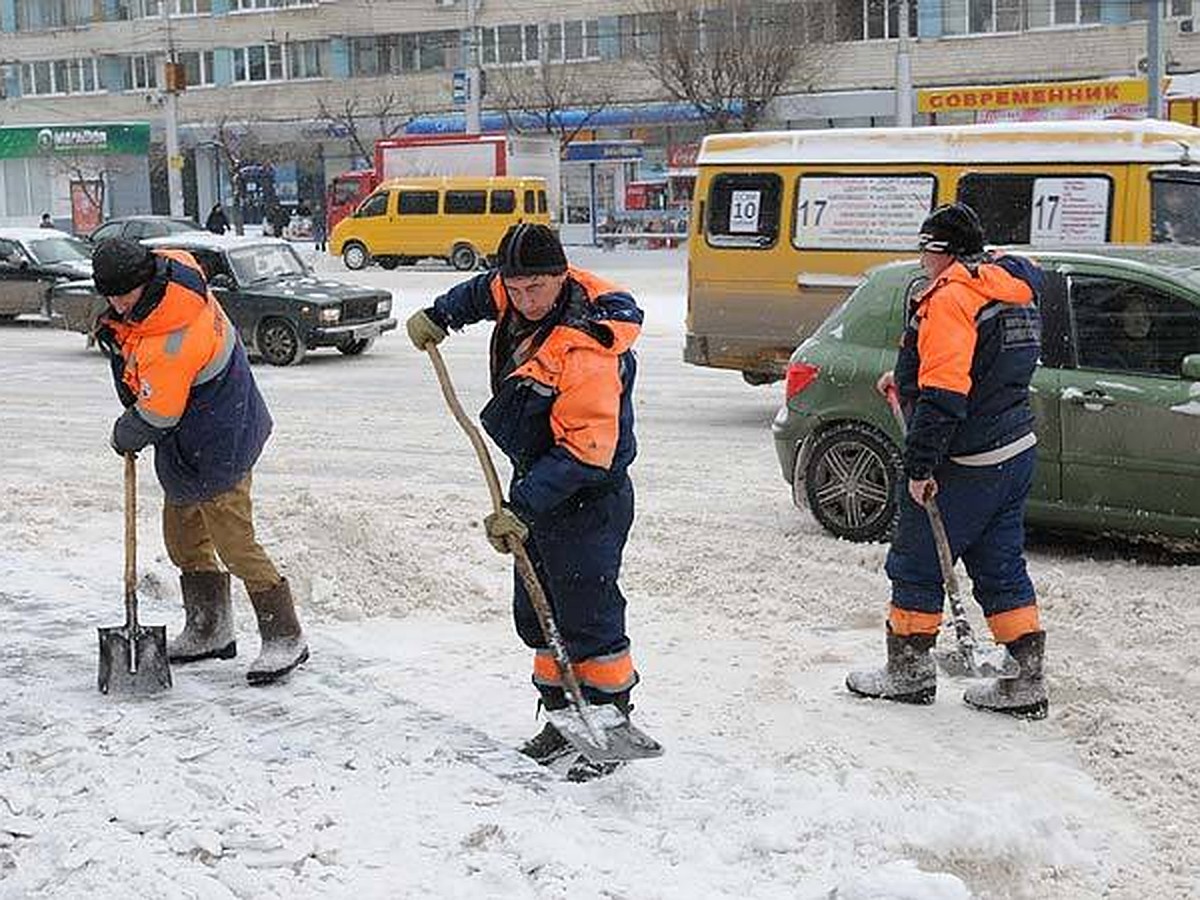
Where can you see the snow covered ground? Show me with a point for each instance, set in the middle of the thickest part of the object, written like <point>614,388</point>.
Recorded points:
<point>381,769</point>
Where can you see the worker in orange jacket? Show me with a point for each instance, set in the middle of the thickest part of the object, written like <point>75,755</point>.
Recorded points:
<point>967,355</point>
<point>182,374</point>
<point>562,373</point>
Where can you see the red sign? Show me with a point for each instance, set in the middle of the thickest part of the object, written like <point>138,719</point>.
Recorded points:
<point>682,156</point>
<point>87,200</point>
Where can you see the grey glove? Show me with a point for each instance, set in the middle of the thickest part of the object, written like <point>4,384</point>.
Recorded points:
<point>423,331</point>
<point>500,525</point>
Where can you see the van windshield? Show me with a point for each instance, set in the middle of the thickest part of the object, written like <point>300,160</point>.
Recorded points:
<point>1175,209</point>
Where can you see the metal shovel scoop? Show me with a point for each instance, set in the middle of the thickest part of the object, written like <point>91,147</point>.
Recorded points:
<point>133,657</point>
<point>968,658</point>
<point>602,733</point>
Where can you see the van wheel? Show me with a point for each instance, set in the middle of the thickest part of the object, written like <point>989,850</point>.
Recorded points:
<point>463,257</point>
<point>355,256</point>
<point>279,343</point>
<point>387,262</point>
<point>757,379</point>
<point>850,477</point>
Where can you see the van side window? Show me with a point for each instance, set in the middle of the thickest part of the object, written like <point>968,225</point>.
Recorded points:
<point>861,211</point>
<point>466,202</point>
<point>530,202</point>
<point>504,202</point>
<point>743,210</point>
<point>1039,209</point>
<point>1174,214</point>
<point>542,207</point>
<point>418,203</point>
<point>375,205</point>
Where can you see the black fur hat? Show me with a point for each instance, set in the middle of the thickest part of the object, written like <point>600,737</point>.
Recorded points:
<point>529,249</point>
<point>954,229</point>
<point>120,265</point>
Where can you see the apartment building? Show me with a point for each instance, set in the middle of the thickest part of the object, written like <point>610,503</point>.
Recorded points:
<point>259,73</point>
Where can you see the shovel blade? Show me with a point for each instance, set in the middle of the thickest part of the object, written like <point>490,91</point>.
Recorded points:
<point>611,737</point>
<point>133,660</point>
<point>977,661</point>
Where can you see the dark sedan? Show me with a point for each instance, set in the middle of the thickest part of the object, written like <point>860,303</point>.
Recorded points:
<point>140,228</point>
<point>279,306</point>
<point>33,261</point>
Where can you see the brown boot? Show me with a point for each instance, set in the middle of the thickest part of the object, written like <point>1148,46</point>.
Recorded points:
<point>283,643</point>
<point>208,619</point>
<point>1024,696</point>
<point>909,676</point>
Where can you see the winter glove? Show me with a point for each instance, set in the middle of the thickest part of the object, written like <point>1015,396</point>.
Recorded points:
<point>499,525</point>
<point>423,331</point>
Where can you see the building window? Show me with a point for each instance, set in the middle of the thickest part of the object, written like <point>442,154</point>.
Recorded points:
<point>141,73</point>
<point>871,20</point>
<point>1048,13</point>
<point>198,66</point>
<point>255,5</point>
<point>192,7</point>
<point>261,62</point>
<point>307,59</point>
<point>36,15</point>
<point>61,76</point>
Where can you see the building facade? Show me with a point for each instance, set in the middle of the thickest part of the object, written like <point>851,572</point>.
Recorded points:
<point>297,88</point>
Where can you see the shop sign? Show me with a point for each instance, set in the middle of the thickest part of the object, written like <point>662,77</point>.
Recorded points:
<point>599,151</point>
<point>74,140</point>
<point>1033,95</point>
<point>683,156</point>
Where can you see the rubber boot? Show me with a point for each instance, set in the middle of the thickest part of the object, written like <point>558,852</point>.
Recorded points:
<point>548,744</point>
<point>208,619</point>
<point>1023,696</point>
<point>283,643</point>
<point>910,675</point>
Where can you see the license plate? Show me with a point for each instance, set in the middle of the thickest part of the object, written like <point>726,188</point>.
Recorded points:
<point>365,332</point>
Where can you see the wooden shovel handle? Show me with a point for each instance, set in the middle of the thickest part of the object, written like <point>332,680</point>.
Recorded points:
<point>130,540</point>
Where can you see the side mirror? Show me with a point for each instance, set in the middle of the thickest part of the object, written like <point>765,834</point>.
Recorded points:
<point>1190,367</point>
<point>222,281</point>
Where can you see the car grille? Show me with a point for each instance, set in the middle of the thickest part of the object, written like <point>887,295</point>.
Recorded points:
<point>359,309</point>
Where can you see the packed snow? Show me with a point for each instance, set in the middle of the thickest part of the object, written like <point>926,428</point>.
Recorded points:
<point>384,767</point>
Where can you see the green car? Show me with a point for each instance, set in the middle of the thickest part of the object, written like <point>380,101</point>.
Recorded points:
<point>1116,395</point>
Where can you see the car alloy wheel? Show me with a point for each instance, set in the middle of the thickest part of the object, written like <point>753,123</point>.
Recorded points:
<point>279,343</point>
<point>850,478</point>
<point>355,256</point>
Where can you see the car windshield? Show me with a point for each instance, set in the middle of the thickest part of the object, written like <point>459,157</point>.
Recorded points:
<point>251,264</point>
<point>59,249</point>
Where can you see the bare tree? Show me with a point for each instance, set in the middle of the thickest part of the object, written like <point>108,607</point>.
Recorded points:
<point>92,173</point>
<point>364,119</point>
<point>237,148</point>
<point>729,58</point>
<point>538,97</point>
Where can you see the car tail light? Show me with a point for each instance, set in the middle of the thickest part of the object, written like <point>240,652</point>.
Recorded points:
<point>799,376</point>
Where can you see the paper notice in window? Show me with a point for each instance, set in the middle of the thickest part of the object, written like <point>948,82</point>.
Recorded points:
<point>1069,211</point>
<point>862,212</point>
<point>744,208</point>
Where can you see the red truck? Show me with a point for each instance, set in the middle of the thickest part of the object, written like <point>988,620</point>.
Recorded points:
<point>446,154</point>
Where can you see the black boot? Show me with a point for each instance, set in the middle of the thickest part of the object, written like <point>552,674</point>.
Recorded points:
<point>208,619</point>
<point>1023,696</point>
<point>910,675</point>
<point>548,744</point>
<point>283,643</point>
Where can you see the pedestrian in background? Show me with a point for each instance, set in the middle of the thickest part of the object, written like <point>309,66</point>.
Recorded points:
<point>182,374</point>
<point>217,222</point>
<point>970,345</point>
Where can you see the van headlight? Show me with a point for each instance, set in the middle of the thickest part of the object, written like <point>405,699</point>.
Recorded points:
<point>383,307</point>
<point>331,314</point>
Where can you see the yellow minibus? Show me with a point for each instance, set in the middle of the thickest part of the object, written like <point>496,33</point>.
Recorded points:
<point>455,218</point>
<point>786,223</point>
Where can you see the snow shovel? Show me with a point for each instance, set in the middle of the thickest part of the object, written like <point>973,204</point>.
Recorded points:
<point>133,657</point>
<point>602,733</point>
<point>968,658</point>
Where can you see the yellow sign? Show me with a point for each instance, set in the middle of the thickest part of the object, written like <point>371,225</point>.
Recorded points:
<point>1031,96</point>
<point>175,162</point>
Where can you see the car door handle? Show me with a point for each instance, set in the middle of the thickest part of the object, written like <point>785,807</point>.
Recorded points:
<point>1092,399</point>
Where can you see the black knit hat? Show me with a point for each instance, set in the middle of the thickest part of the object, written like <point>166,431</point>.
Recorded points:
<point>120,265</point>
<point>954,229</point>
<point>529,249</point>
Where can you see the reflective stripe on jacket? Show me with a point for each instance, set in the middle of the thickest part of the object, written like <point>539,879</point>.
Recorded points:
<point>967,356</point>
<point>196,399</point>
